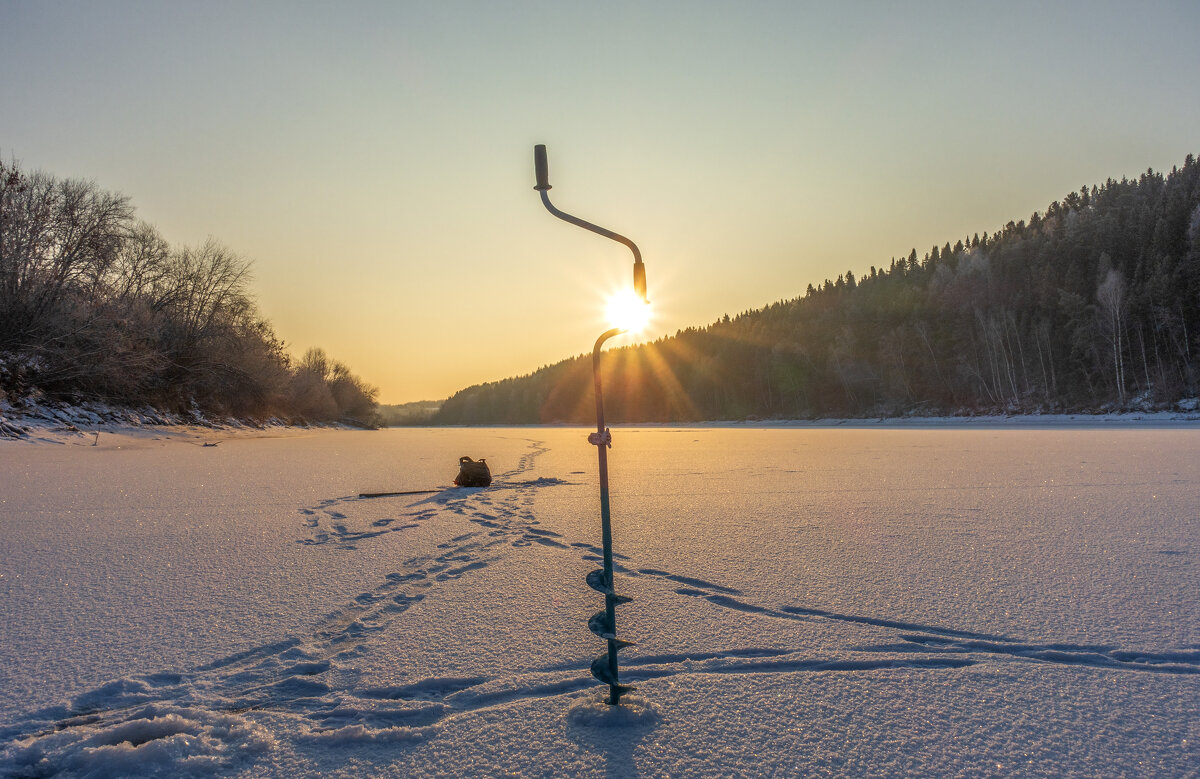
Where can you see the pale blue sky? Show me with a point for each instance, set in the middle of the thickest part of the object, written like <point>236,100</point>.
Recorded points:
<point>375,159</point>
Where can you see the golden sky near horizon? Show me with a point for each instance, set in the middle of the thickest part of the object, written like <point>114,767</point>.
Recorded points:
<point>375,160</point>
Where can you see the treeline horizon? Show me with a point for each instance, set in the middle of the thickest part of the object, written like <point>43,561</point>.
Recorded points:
<point>95,305</point>
<point>413,414</point>
<point>1092,305</point>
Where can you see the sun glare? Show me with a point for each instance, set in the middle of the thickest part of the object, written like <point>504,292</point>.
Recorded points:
<point>627,311</point>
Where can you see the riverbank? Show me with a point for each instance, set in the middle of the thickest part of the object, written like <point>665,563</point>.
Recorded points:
<point>84,424</point>
<point>89,423</point>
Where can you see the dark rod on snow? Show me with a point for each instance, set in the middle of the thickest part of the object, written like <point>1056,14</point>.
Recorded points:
<point>542,169</point>
<point>406,492</point>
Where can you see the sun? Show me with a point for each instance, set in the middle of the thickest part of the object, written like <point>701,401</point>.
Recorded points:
<point>628,311</point>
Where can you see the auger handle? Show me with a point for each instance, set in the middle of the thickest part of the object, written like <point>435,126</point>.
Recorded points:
<point>541,168</point>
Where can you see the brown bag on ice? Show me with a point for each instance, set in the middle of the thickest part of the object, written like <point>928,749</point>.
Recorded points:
<point>473,473</point>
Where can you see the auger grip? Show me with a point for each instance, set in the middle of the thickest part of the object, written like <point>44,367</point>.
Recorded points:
<point>541,167</point>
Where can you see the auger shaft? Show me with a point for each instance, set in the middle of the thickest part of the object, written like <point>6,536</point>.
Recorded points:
<point>610,598</point>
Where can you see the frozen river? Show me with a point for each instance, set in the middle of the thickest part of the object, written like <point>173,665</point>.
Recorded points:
<point>806,601</point>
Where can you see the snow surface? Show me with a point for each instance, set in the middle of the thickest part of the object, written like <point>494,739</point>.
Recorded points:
<point>925,599</point>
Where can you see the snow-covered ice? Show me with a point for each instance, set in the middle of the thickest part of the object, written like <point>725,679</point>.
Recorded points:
<point>867,600</point>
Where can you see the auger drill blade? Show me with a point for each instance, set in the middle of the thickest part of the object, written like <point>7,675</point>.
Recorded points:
<point>595,580</point>
<point>601,672</point>
<point>600,625</point>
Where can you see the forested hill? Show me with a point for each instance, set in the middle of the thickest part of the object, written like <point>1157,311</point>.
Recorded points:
<point>1093,304</point>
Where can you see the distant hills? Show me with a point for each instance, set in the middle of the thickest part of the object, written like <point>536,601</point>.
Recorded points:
<point>412,414</point>
<point>1091,305</point>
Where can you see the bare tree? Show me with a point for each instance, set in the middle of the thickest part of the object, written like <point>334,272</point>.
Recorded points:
<point>350,395</point>
<point>207,289</point>
<point>58,238</point>
<point>1110,294</point>
<point>141,268</point>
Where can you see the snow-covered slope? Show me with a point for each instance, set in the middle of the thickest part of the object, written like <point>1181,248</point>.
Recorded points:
<point>806,601</point>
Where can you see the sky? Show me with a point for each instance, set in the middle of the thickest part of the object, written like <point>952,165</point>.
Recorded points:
<point>374,161</point>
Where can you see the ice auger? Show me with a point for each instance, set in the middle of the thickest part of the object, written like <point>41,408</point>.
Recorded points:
<point>602,623</point>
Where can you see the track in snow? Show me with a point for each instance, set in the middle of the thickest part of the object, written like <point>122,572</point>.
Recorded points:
<point>209,709</point>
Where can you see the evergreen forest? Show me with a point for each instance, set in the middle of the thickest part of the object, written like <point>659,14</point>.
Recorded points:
<point>1092,305</point>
